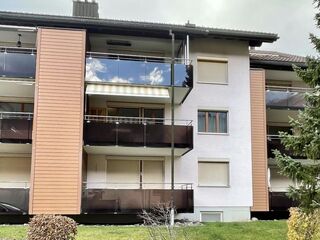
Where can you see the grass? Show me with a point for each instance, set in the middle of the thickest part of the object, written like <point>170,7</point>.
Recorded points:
<point>260,230</point>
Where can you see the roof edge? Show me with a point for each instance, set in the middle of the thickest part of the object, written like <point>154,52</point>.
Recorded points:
<point>92,24</point>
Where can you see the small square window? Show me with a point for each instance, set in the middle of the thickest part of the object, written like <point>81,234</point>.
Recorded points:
<point>213,121</point>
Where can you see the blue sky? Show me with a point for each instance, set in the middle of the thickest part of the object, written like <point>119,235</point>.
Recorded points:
<point>293,20</point>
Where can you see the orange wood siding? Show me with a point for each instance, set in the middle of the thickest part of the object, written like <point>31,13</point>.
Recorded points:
<point>259,141</point>
<point>58,122</point>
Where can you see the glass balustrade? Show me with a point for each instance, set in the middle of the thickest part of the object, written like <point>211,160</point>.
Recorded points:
<point>17,64</point>
<point>16,127</point>
<point>14,198</point>
<point>285,98</point>
<point>155,72</point>
<point>104,198</point>
<point>130,131</point>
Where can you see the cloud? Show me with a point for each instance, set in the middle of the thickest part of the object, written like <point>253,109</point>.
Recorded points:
<point>120,80</point>
<point>95,71</point>
<point>93,67</point>
<point>155,77</point>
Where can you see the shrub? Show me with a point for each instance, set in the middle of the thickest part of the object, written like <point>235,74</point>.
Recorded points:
<point>52,227</point>
<point>304,226</point>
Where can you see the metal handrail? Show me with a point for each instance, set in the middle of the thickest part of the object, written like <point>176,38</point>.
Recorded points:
<point>26,184</point>
<point>16,115</point>
<point>147,58</point>
<point>286,89</point>
<point>18,49</point>
<point>180,185</point>
<point>276,136</point>
<point>142,120</point>
<point>273,136</point>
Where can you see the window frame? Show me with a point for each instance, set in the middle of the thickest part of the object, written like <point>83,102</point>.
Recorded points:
<point>207,132</point>
<point>211,213</point>
<point>213,60</point>
<point>215,161</point>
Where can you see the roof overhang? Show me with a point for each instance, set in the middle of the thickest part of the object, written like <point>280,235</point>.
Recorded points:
<point>134,151</point>
<point>133,28</point>
<point>275,65</point>
<point>16,88</point>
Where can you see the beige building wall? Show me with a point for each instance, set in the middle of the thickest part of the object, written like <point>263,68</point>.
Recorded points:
<point>259,141</point>
<point>58,122</point>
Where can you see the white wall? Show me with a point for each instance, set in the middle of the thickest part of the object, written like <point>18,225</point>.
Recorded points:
<point>15,172</point>
<point>235,146</point>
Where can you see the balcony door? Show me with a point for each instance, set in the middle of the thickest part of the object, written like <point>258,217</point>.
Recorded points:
<point>123,174</point>
<point>134,174</point>
<point>137,112</point>
<point>152,174</point>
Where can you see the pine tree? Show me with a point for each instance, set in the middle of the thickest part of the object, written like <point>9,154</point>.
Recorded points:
<point>305,139</point>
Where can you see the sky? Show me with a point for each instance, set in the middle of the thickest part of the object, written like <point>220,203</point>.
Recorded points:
<point>292,20</point>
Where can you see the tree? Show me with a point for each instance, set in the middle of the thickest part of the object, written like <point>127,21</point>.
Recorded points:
<point>305,139</point>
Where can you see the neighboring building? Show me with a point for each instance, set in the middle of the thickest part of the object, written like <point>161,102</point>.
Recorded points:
<point>85,117</point>
<point>277,94</point>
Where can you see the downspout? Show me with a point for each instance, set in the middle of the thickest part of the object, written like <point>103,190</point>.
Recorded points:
<point>172,126</point>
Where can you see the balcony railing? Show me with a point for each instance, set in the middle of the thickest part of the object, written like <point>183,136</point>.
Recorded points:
<point>274,142</point>
<point>17,63</point>
<point>139,70</point>
<point>14,198</point>
<point>279,201</point>
<point>113,198</point>
<point>16,127</point>
<point>285,97</point>
<point>132,131</point>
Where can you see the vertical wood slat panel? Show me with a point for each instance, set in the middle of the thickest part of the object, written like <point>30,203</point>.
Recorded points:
<point>259,141</point>
<point>60,56</point>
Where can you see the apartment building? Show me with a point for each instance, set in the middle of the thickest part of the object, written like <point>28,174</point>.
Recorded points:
<point>278,98</point>
<point>102,118</point>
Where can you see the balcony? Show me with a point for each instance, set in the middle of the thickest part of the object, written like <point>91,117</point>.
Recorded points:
<point>17,72</point>
<point>17,63</point>
<point>285,97</point>
<point>15,127</point>
<point>274,142</point>
<point>139,77</point>
<point>14,198</point>
<point>130,135</point>
<point>279,201</point>
<point>106,199</point>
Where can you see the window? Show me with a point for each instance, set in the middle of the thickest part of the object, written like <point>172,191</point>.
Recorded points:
<point>213,121</point>
<point>211,216</point>
<point>213,71</point>
<point>154,115</point>
<point>213,174</point>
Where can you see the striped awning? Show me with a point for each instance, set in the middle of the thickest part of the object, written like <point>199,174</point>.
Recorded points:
<point>130,91</point>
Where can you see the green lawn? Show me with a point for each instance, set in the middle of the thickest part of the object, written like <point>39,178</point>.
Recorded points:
<point>260,230</point>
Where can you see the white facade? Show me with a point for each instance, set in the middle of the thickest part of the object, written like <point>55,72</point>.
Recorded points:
<point>233,201</point>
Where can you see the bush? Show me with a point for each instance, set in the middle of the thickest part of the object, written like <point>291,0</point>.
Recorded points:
<point>303,226</point>
<point>52,227</point>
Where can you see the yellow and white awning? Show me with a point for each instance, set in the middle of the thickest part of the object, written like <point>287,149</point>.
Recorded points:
<point>128,91</point>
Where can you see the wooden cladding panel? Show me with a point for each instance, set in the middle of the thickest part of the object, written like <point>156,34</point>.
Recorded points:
<point>58,122</point>
<point>259,144</point>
